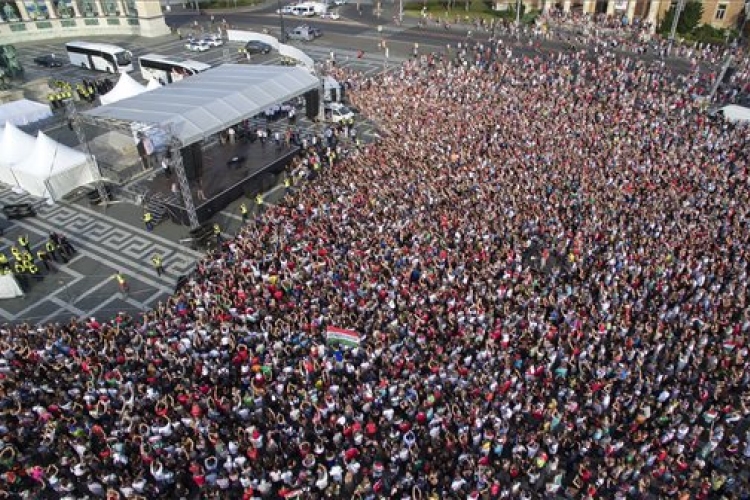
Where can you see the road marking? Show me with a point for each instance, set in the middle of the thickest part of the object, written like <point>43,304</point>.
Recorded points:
<point>108,259</point>
<point>67,305</point>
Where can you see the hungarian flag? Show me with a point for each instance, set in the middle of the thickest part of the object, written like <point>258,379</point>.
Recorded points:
<point>342,336</point>
<point>293,495</point>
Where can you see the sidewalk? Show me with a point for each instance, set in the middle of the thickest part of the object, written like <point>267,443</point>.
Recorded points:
<point>178,9</point>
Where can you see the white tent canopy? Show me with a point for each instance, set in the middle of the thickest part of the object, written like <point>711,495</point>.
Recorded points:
<point>211,101</point>
<point>735,113</point>
<point>15,146</point>
<point>153,85</point>
<point>9,288</point>
<point>126,87</point>
<point>23,112</point>
<point>53,170</point>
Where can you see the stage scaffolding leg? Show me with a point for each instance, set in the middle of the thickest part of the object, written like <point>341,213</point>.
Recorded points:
<point>75,123</point>
<point>187,195</point>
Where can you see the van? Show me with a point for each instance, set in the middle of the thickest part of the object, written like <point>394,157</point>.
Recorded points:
<point>303,10</point>
<point>336,112</point>
<point>302,33</point>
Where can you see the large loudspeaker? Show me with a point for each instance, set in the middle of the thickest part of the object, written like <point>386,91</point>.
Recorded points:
<point>312,104</point>
<point>192,160</point>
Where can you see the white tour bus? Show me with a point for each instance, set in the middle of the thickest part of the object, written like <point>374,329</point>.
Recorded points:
<point>100,56</point>
<point>166,70</point>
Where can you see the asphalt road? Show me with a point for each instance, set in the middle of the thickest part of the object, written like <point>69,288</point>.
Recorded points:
<point>364,27</point>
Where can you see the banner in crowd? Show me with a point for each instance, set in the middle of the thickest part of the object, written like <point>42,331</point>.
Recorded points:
<point>335,335</point>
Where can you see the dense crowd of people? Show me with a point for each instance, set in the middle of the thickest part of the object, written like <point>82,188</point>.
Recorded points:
<point>545,260</point>
<point>600,31</point>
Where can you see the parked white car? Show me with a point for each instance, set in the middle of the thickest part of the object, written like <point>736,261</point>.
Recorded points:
<point>197,46</point>
<point>333,15</point>
<point>213,40</point>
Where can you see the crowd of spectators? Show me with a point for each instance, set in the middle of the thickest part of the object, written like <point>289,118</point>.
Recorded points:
<point>546,260</point>
<point>602,32</point>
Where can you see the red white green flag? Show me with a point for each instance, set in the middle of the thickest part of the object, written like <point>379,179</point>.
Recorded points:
<point>335,335</point>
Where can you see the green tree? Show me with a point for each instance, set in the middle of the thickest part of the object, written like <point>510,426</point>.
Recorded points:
<point>689,19</point>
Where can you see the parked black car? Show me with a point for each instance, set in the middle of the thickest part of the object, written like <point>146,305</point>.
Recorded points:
<point>257,47</point>
<point>49,61</point>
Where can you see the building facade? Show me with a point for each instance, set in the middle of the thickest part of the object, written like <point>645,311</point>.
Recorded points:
<point>28,20</point>
<point>717,13</point>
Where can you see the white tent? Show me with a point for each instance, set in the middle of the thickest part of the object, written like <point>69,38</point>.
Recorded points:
<point>152,85</point>
<point>735,113</point>
<point>125,87</point>
<point>53,170</point>
<point>211,101</point>
<point>9,288</point>
<point>15,146</point>
<point>23,112</point>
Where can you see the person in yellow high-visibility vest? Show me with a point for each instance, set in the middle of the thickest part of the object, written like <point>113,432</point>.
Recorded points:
<point>287,185</point>
<point>44,258</point>
<point>243,213</point>
<point>122,284</point>
<point>4,262</point>
<point>148,220</point>
<point>158,264</point>
<point>23,242</point>
<point>31,267</point>
<point>217,234</point>
<point>51,249</point>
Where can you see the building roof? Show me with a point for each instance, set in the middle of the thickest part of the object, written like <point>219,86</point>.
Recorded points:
<point>206,103</point>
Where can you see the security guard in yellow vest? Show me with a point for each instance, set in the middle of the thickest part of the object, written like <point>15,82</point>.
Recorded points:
<point>18,267</point>
<point>4,265</point>
<point>31,268</point>
<point>287,185</point>
<point>148,219</point>
<point>217,234</point>
<point>122,283</point>
<point>51,249</point>
<point>44,258</point>
<point>27,257</point>
<point>259,202</point>
<point>16,252</point>
<point>158,265</point>
<point>52,101</point>
<point>243,213</point>
<point>23,242</point>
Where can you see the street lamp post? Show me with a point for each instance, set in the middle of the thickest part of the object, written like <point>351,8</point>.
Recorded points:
<point>383,46</point>
<point>518,14</point>
<point>282,36</point>
<point>675,21</point>
<point>492,45</point>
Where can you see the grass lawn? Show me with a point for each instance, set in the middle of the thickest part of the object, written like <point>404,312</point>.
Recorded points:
<point>228,4</point>
<point>477,9</point>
